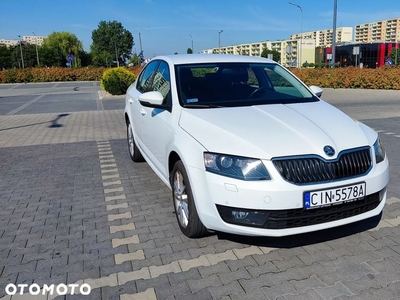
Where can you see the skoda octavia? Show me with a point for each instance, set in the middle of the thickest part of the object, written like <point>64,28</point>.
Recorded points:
<point>247,148</point>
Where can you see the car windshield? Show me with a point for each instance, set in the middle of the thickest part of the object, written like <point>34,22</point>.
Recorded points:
<point>238,84</point>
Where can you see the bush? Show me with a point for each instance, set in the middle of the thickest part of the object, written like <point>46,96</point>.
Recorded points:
<point>116,80</point>
<point>352,78</point>
<point>50,74</point>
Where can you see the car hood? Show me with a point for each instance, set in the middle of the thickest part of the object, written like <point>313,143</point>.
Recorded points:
<point>268,131</point>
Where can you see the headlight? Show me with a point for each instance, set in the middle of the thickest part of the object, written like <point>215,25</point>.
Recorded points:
<point>379,151</point>
<point>242,168</point>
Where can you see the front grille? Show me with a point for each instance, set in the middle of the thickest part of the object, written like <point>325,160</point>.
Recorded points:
<point>292,218</point>
<point>301,217</point>
<point>303,170</point>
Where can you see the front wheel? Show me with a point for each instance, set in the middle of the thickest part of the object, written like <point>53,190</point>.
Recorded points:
<point>134,151</point>
<point>185,208</point>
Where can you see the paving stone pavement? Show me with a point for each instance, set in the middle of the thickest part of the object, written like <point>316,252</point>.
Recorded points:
<point>74,209</point>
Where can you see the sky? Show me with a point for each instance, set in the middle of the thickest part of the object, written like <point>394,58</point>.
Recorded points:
<point>169,26</point>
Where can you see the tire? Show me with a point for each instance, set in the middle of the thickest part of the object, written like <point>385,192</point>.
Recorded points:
<point>134,151</point>
<point>185,208</point>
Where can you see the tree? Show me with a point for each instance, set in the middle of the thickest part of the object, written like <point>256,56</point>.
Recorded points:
<point>29,55</point>
<point>276,56</point>
<point>189,51</point>
<point>5,57</point>
<point>134,60</point>
<point>58,45</point>
<point>395,52</point>
<point>111,39</point>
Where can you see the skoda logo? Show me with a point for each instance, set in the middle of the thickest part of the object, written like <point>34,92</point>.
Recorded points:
<point>329,150</point>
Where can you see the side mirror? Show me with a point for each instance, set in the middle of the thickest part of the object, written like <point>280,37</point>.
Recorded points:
<point>155,98</point>
<point>316,90</point>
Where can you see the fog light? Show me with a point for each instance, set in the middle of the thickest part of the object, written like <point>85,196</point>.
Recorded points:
<point>239,214</point>
<point>244,217</point>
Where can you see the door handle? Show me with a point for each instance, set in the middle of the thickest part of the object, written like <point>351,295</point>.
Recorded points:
<point>143,112</point>
<point>130,100</point>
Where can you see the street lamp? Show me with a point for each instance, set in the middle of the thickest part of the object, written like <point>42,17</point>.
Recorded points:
<point>301,31</point>
<point>116,54</point>
<point>219,41</point>
<point>37,53</point>
<point>22,55</point>
<point>192,42</point>
<point>334,33</point>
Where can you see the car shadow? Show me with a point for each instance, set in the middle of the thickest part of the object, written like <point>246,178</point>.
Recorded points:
<point>306,238</point>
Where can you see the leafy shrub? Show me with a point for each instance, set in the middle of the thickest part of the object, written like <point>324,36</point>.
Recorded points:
<point>10,76</point>
<point>351,77</point>
<point>50,74</point>
<point>116,80</point>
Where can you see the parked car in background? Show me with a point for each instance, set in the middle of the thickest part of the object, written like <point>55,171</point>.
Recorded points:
<point>248,149</point>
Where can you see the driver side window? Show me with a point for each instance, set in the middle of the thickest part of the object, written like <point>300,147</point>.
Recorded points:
<point>146,77</point>
<point>162,82</point>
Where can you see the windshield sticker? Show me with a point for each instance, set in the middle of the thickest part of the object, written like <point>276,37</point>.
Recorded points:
<point>192,100</point>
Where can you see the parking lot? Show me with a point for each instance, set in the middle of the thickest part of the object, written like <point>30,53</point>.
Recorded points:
<point>74,209</point>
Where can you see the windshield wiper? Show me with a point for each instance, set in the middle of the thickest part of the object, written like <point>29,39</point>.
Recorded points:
<point>202,106</point>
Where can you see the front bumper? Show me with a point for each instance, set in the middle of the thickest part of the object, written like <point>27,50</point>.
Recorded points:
<point>277,205</point>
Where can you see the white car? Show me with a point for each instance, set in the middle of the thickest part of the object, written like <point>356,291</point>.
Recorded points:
<point>248,149</point>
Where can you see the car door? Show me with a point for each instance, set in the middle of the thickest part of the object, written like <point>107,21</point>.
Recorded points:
<point>143,85</point>
<point>156,122</point>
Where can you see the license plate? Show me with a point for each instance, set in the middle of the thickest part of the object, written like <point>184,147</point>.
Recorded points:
<point>314,199</point>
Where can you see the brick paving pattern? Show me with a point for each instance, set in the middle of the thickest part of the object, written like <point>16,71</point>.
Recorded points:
<point>75,209</point>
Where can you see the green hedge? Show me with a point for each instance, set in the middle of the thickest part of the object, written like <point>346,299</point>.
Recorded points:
<point>348,77</point>
<point>387,78</point>
<point>55,74</point>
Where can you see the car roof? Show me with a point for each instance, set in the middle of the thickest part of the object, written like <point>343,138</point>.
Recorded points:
<point>180,59</point>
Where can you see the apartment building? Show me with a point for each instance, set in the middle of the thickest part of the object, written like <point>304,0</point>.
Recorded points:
<point>31,39</point>
<point>291,52</point>
<point>384,31</point>
<point>34,39</point>
<point>324,38</point>
<point>252,49</point>
<point>8,43</point>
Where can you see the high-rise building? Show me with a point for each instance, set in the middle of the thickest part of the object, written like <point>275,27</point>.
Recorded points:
<point>34,39</point>
<point>324,38</point>
<point>381,31</point>
<point>30,39</point>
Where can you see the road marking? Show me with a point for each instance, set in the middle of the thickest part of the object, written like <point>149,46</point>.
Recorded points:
<point>125,215</point>
<point>107,160</point>
<point>108,183</point>
<point>134,239</point>
<point>24,105</point>
<point>105,177</point>
<point>121,258</point>
<point>117,228</point>
<point>148,294</point>
<point>108,166</point>
<point>104,145</point>
<point>183,265</point>
<point>105,152</point>
<point>106,156</point>
<point>117,197</point>
<point>109,171</point>
<point>117,206</point>
<point>116,190</point>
